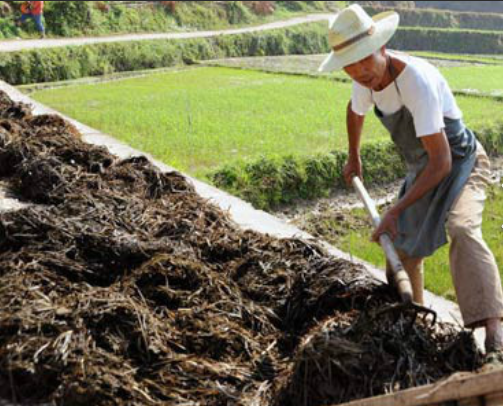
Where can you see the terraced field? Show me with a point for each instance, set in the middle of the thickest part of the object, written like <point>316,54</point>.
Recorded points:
<point>199,119</point>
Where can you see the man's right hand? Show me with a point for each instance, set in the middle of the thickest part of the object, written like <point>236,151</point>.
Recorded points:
<point>352,168</point>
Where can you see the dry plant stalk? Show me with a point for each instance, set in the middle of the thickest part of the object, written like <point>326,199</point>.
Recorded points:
<point>119,285</point>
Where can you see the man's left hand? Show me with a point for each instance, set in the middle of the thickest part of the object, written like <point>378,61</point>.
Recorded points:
<point>388,225</point>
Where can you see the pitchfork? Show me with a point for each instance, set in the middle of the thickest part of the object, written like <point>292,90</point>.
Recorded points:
<point>400,276</point>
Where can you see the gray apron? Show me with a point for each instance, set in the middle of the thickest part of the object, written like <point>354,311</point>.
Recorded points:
<point>421,227</point>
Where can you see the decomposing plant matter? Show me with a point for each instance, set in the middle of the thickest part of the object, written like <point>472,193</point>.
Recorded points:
<point>120,285</point>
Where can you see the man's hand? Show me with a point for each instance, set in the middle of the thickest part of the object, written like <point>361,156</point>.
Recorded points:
<point>353,168</point>
<point>388,225</point>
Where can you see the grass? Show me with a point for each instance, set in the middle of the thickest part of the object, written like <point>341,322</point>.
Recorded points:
<point>196,120</point>
<point>189,16</point>
<point>478,112</point>
<point>437,271</point>
<point>486,79</point>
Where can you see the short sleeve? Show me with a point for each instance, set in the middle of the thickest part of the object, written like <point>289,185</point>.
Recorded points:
<point>423,100</point>
<point>361,99</point>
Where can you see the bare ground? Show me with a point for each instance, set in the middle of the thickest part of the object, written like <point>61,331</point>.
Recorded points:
<point>306,214</point>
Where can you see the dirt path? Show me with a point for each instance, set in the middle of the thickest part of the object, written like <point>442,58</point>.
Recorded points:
<point>19,45</point>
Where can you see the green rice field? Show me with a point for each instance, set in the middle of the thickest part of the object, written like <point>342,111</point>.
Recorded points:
<point>198,119</point>
<point>485,79</point>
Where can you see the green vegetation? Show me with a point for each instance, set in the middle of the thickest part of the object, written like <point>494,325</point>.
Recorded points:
<point>437,271</point>
<point>194,118</point>
<point>53,64</point>
<point>79,18</point>
<point>448,40</point>
<point>271,182</point>
<point>444,19</point>
<point>485,79</point>
<point>468,6</point>
<point>46,65</point>
<point>265,137</point>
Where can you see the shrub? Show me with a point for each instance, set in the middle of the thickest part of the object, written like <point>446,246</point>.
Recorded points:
<point>7,28</point>
<point>448,41</point>
<point>65,18</point>
<point>237,12</point>
<point>272,181</point>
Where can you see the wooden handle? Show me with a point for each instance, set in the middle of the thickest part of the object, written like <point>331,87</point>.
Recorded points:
<point>401,277</point>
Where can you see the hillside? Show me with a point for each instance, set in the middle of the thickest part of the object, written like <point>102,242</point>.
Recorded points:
<point>477,6</point>
<point>84,18</point>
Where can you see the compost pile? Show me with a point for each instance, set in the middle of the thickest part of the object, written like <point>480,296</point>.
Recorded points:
<point>120,285</point>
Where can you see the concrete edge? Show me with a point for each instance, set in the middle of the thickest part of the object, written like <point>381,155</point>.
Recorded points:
<point>243,213</point>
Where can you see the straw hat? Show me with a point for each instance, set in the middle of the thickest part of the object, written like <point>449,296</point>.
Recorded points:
<point>353,35</point>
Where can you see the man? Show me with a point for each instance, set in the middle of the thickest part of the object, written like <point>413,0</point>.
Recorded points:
<point>33,10</point>
<point>448,170</point>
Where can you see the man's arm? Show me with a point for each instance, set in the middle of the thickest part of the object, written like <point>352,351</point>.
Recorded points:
<point>438,167</point>
<point>354,124</point>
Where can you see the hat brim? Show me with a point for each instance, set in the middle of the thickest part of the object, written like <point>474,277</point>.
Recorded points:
<point>386,25</point>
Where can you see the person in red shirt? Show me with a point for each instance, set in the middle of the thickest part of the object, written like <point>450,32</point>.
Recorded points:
<point>35,11</point>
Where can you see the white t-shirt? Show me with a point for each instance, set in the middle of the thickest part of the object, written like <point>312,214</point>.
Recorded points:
<point>423,90</point>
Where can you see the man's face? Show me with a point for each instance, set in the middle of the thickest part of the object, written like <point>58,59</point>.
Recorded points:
<point>368,72</point>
